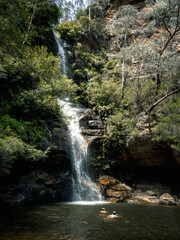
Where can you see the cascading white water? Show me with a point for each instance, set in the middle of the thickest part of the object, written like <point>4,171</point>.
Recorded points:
<point>83,187</point>
<point>62,54</point>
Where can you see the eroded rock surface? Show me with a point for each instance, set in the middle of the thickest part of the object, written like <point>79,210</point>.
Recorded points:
<point>116,191</point>
<point>113,190</point>
<point>91,124</point>
<point>146,152</point>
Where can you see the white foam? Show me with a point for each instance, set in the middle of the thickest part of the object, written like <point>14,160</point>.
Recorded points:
<point>86,203</point>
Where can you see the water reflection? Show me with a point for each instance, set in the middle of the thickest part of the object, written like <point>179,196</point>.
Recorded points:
<point>76,222</point>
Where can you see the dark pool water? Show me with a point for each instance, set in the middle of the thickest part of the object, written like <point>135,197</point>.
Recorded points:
<point>78,222</point>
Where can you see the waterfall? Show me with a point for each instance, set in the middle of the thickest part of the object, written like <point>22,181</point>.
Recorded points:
<point>62,54</point>
<point>83,187</point>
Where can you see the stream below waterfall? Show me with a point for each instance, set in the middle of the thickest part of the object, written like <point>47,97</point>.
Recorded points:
<point>72,221</point>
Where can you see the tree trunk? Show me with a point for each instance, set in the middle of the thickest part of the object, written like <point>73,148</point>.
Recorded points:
<point>123,78</point>
<point>123,81</point>
<point>30,23</point>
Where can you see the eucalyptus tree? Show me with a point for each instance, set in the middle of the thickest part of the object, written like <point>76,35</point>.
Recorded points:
<point>141,60</point>
<point>126,19</point>
<point>154,62</point>
<point>166,14</point>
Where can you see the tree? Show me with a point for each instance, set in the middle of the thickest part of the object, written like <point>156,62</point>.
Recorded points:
<point>127,18</point>
<point>154,60</point>
<point>30,80</point>
<point>141,59</point>
<point>166,14</point>
<point>168,128</point>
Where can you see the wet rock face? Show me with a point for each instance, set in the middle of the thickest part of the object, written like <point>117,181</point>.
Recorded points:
<point>90,120</point>
<point>115,191</point>
<point>39,186</point>
<point>56,139</point>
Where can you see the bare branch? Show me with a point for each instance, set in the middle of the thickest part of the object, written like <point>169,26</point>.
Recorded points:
<point>146,76</point>
<point>160,100</point>
<point>30,23</point>
<point>166,27</point>
<point>171,35</point>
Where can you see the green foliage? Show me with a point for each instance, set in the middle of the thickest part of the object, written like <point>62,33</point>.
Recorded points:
<point>168,128</point>
<point>35,104</point>
<point>72,31</point>
<point>101,164</point>
<point>104,96</point>
<point>69,30</point>
<point>15,22</point>
<point>120,127</point>
<point>12,148</point>
<point>88,64</point>
<point>27,131</point>
<point>30,79</point>
<point>166,12</point>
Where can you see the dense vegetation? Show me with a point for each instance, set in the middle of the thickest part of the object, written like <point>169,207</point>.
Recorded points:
<point>126,69</point>
<point>30,80</point>
<point>137,86</point>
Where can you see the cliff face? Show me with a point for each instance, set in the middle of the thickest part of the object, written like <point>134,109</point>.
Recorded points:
<point>146,152</point>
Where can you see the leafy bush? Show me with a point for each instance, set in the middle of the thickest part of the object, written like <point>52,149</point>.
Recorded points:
<point>27,131</point>
<point>12,148</point>
<point>168,128</point>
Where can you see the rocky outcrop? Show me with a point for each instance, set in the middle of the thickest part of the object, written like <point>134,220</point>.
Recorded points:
<point>143,151</point>
<point>38,186</point>
<point>56,139</point>
<point>113,190</point>
<point>116,191</point>
<point>91,124</point>
<point>167,199</point>
<point>140,151</point>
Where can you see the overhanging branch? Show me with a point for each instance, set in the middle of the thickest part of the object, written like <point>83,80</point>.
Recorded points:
<point>160,100</point>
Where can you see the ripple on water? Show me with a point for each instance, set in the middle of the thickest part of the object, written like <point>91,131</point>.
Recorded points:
<point>75,222</point>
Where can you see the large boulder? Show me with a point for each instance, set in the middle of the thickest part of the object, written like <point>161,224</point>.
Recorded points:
<point>153,198</point>
<point>113,190</point>
<point>167,199</point>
